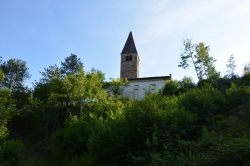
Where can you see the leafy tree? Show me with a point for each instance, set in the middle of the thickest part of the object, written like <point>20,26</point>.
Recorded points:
<point>231,67</point>
<point>1,72</point>
<point>71,65</point>
<point>206,102</point>
<point>1,75</point>
<point>10,152</point>
<point>206,62</point>
<point>186,84</point>
<point>247,69</point>
<point>189,54</point>
<point>15,72</point>
<point>198,56</point>
<point>6,111</point>
<point>174,87</point>
<point>71,142</point>
<point>116,86</point>
<point>52,72</point>
<point>238,95</point>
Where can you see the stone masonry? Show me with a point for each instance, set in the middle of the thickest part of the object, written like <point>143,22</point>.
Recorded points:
<point>129,59</point>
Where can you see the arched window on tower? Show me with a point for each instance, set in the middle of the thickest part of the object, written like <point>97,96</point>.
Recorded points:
<point>129,58</point>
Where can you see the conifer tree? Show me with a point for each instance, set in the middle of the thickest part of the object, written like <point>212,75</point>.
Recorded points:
<point>231,67</point>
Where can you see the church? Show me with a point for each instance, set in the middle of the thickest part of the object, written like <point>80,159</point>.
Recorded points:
<point>137,86</point>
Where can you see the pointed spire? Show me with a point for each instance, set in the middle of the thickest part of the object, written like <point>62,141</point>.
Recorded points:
<point>129,46</point>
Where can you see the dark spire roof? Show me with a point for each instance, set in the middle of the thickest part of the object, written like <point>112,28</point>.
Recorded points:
<point>129,46</point>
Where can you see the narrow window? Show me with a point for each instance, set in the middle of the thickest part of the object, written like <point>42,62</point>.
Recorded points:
<point>130,58</point>
<point>127,58</point>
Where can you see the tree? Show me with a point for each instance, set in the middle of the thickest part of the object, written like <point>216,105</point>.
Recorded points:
<point>71,65</point>
<point>198,56</point>
<point>6,111</point>
<point>174,87</point>
<point>116,86</point>
<point>187,55</point>
<point>52,72</point>
<point>15,72</point>
<point>205,62</point>
<point>231,67</point>
<point>1,72</point>
<point>247,68</point>
<point>1,75</point>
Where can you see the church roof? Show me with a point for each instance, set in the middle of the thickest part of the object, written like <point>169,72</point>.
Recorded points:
<point>151,78</point>
<point>129,46</point>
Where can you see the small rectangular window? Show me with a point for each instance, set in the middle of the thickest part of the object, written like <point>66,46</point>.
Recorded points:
<point>130,57</point>
<point>126,58</point>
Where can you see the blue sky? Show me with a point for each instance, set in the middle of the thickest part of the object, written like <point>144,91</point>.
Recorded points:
<point>44,32</point>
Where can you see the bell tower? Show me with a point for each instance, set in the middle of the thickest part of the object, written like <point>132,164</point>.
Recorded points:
<point>129,59</point>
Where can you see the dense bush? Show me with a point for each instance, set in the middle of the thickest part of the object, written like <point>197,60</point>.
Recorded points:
<point>70,142</point>
<point>10,152</point>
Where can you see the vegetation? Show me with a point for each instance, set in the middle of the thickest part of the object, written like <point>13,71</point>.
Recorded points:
<point>198,56</point>
<point>73,117</point>
<point>231,67</point>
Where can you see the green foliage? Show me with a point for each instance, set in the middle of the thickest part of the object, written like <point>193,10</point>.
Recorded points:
<point>1,71</point>
<point>71,65</point>
<point>174,87</point>
<point>70,119</point>
<point>1,75</point>
<point>198,56</point>
<point>205,102</point>
<point>246,69</point>
<point>205,62</point>
<point>137,138</point>
<point>231,67</point>
<point>71,142</point>
<point>171,87</point>
<point>116,86</point>
<point>15,72</point>
<point>6,111</point>
<point>52,72</point>
<point>10,152</point>
<point>237,96</point>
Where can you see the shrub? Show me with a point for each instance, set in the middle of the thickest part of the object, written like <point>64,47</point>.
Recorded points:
<point>205,102</point>
<point>10,152</point>
<point>70,142</point>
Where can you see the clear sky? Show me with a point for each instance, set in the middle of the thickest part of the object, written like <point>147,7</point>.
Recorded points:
<point>44,32</point>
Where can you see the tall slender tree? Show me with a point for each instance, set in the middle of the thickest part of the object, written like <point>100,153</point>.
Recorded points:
<point>189,57</point>
<point>198,56</point>
<point>206,62</point>
<point>231,67</point>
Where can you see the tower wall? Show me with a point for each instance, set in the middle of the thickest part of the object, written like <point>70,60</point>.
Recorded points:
<point>129,67</point>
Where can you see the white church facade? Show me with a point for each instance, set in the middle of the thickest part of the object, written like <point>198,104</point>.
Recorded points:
<point>137,86</point>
